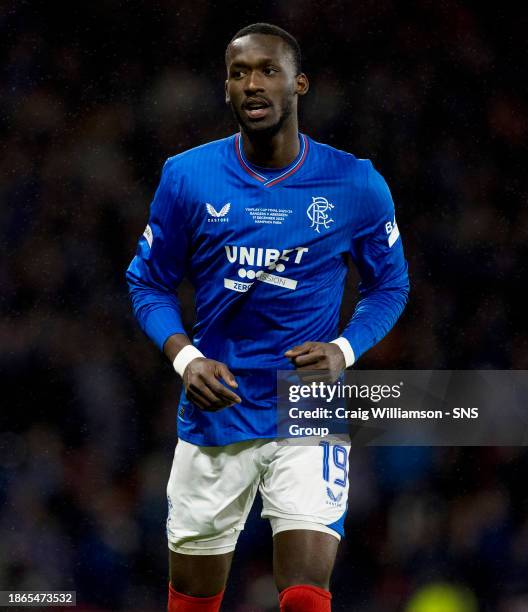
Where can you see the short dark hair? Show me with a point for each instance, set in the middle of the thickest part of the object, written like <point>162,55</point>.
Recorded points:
<point>273,30</point>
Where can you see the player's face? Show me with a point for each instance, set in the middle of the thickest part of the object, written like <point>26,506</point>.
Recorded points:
<point>262,85</point>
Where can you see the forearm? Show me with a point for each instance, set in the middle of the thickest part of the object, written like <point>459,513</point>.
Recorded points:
<point>174,345</point>
<point>156,309</point>
<point>374,317</point>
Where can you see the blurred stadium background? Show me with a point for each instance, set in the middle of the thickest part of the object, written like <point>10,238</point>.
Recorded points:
<point>93,98</point>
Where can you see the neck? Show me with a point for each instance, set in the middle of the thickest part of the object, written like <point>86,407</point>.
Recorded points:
<point>276,151</point>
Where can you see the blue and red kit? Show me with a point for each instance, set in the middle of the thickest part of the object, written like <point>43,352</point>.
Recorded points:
<point>266,252</point>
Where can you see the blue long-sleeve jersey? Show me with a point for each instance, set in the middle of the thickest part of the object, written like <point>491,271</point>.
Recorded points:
<point>266,255</point>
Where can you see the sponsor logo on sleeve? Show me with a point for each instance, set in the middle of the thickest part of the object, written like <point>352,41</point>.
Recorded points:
<point>147,234</point>
<point>393,233</point>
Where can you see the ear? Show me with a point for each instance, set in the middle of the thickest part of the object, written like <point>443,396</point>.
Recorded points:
<point>301,84</point>
<point>227,99</point>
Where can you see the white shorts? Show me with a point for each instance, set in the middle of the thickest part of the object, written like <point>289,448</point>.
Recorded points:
<point>211,490</point>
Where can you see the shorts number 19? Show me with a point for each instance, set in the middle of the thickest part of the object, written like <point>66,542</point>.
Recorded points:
<point>340,457</point>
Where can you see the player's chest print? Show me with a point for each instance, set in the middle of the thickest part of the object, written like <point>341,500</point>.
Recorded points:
<point>258,258</point>
<point>269,265</point>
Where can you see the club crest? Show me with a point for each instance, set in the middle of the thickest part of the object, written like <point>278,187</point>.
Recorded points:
<point>317,213</point>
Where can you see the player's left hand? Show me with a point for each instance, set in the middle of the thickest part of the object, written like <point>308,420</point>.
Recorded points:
<point>310,356</point>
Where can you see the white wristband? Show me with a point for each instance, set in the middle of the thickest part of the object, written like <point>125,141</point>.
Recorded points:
<point>184,357</point>
<point>347,350</point>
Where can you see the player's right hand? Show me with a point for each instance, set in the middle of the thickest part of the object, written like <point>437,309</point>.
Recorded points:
<point>201,379</point>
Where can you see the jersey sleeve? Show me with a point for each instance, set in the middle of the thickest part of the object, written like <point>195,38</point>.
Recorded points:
<point>377,252</point>
<point>160,263</point>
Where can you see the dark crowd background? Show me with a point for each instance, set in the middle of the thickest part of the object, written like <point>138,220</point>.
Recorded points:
<point>94,96</point>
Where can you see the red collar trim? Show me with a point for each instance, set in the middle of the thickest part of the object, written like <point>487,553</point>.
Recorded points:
<point>278,179</point>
